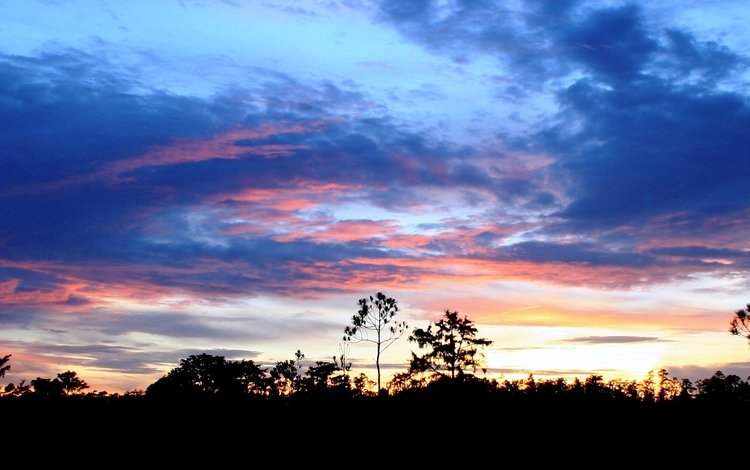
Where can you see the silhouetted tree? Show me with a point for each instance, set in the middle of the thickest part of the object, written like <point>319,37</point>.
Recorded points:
<point>285,375</point>
<point>648,387</point>
<point>243,377</point>
<point>48,387</point>
<point>687,389</point>
<point>669,387</point>
<point>454,346</point>
<point>723,387</point>
<point>341,362</point>
<point>363,385</point>
<point>594,386</point>
<point>374,323</point>
<point>209,375</point>
<point>404,381</point>
<point>4,366</point>
<point>511,388</point>
<point>71,383</point>
<point>740,325</point>
<point>551,388</point>
<point>530,385</point>
<point>17,390</point>
<point>627,389</point>
<point>320,378</point>
<point>195,374</point>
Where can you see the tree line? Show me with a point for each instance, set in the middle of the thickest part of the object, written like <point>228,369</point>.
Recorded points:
<point>448,360</point>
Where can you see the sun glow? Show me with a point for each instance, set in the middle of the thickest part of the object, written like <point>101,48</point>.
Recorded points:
<point>573,352</point>
<point>631,361</point>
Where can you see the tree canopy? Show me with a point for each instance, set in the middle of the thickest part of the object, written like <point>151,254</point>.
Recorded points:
<point>740,324</point>
<point>209,375</point>
<point>4,366</point>
<point>453,347</point>
<point>374,323</point>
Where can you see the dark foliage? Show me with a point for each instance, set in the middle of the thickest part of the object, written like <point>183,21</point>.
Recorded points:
<point>740,324</point>
<point>374,323</point>
<point>454,347</point>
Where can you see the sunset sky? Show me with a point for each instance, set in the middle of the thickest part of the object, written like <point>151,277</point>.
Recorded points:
<point>230,177</point>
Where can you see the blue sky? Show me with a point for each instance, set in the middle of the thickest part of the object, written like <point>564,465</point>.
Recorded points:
<point>231,176</point>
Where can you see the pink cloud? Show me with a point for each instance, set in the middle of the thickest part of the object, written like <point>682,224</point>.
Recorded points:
<point>224,146</point>
<point>8,286</point>
<point>58,296</point>
<point>344,231</point>
<point>295,196</point>
<point>680,230</point>
<point>407,241</point>
<point>279,199</point>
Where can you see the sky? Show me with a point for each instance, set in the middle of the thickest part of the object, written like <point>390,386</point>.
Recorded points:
<point>231,176</point>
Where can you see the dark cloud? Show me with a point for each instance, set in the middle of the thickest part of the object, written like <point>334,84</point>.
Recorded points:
<point>648,150</point>
<point>574,253</point>
<point>698,372</point>
<point>122,359</point>
<point>546,40</point>
<point>540,41</point>
<point>703,252</point>
<point>645,132</point>
<point>465,29</point>
<point>689,58</point>
<point>76,301</point>
<point>174,325</point>
<point>63,119</point>
<point>614,339</point>
<point>98,169</point>
<point>612,43</point>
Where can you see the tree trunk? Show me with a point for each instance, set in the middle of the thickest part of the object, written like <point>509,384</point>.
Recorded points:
<point>377,362</point>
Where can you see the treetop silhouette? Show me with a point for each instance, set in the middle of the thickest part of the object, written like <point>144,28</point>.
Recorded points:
<point>4,366</point>
<point>374,323</point>
<point>740,324</point>
<point>454,347</point>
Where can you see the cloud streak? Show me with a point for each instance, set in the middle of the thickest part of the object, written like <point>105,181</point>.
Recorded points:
<point>614,339</point>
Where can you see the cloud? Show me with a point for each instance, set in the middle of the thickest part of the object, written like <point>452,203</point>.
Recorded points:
<point>133,190</point>
<point>630,143</point>
<point>614,339</point>
<point>574,253</point>
<point>612,43</point>
<point>647,150</point>
<point>690,58</point>
<point>541,42</point>
<point>647,140</point>
<point>344,231</point>
<point>698,372</point>
<point>463,26</point>
<point>116,190</point>
<point>46,360</point>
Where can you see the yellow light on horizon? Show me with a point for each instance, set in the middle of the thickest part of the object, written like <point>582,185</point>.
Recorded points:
<point>630,360</point>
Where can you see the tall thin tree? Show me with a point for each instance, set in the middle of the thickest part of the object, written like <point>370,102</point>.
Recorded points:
<point>374,323</point>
